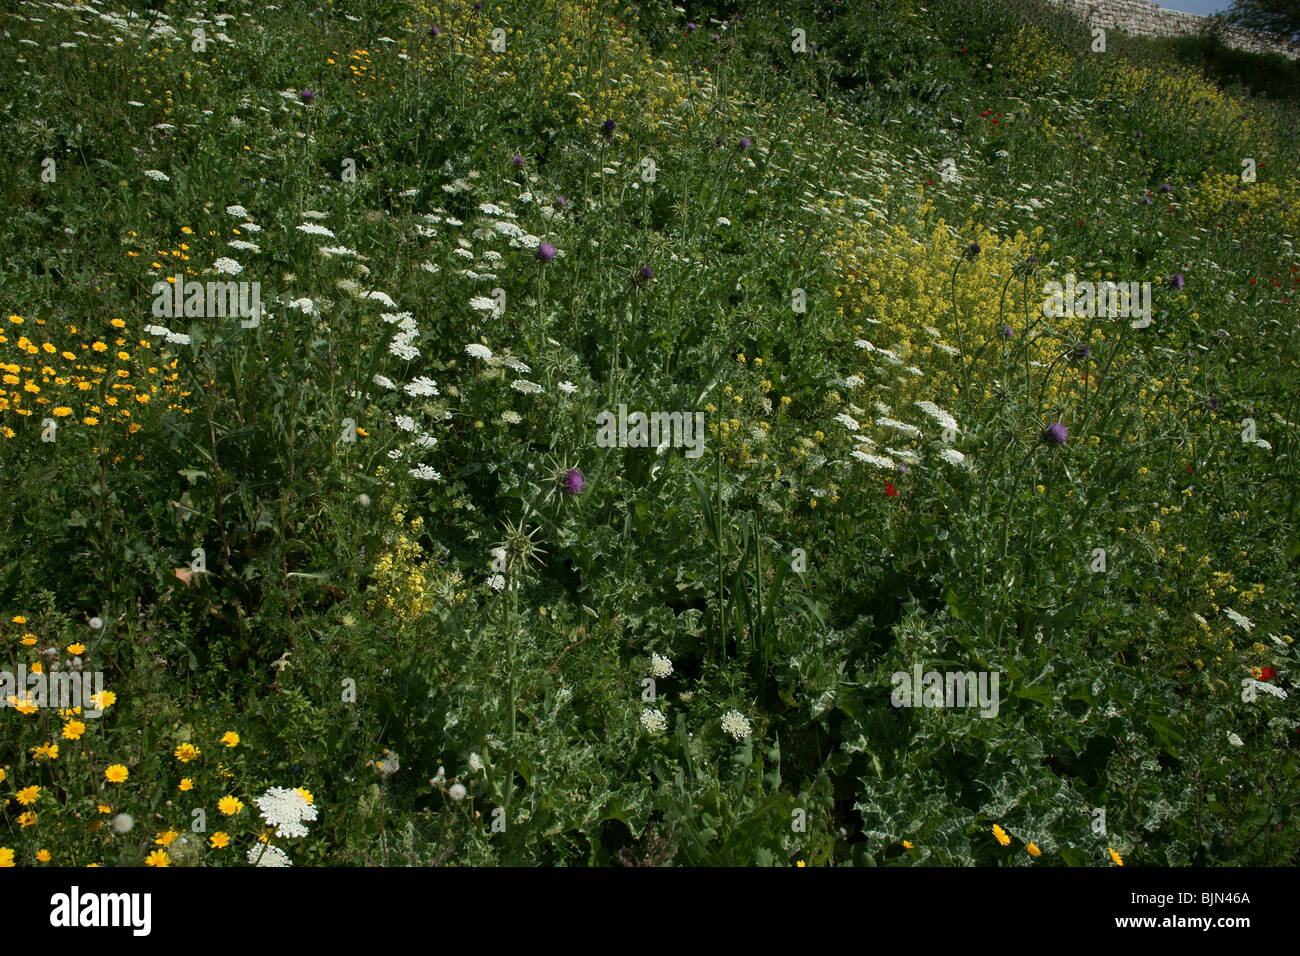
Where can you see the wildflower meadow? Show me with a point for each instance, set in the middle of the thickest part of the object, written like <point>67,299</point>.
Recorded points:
<point>592,433</point>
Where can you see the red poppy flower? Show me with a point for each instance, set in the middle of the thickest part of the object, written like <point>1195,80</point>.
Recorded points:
<point>890,491</point>
<point>1267,673</point>
<point>929,182</point>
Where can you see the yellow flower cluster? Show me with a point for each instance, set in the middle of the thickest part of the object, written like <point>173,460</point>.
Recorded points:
<point>76,378</point>
<point>406,581</point>
<point>571,50</point>
<point>1262,204</point>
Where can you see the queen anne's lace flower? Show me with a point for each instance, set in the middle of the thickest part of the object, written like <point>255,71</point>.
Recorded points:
<point>422,386</point>
<point>736,724</point>
<point>952,456</point>
<point>653,720</point>
<point>264,854</point>
<point>879,461</point>
<point>660,666</point>
<point>481,352</point>
<point>944,419</point>
<point>1240,620</point>
<point>286,810</point>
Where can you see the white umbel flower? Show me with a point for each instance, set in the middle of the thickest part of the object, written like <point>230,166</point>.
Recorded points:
<point>879,461</point>
<point>425,473</point>
<point>847,421</point>
<point>422,386</point>
<point>158,175</point>
<point>286,810</point>
<point>736,724</point>
<point>903,427</point>
<point>480,352</point>
<point>653,720</point>
<point>227,266</point>
<point>944,419</point>
<point>264,854</point>
<point>527,387</point>
<point>1239,619</point>
<point>953,457</point>
<point>660,666</point>
<point>312,229</point>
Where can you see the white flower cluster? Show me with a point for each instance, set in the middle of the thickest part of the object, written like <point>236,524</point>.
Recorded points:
<point>286,810</point>
<point>1239,619</point>
<point>174,338</point>
<point>265,854</point>
<point>736,724</point>
<point>878,460</point>
<point>653,720</point>
<point>660,666</point>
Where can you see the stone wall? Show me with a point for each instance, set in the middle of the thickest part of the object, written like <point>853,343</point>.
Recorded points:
<point>1143,18</point>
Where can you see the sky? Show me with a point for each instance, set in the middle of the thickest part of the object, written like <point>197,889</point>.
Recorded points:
<point>1203,7</point>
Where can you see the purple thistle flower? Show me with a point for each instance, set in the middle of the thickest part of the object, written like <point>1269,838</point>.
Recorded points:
<point>560,200</point>
<point>1081,352</point>
<point>546,252</point>
<point>1006,332</point>
<point>1214,403</point>
<point>1166,188</point>
<point>609,126</point>
<point>691,27</point>
<point>1146,200</point>
<point>1178,281</point>
<point>645,274</point>
<point>434,30</point>
<point>574,481</point>
<point>972,251</point>
<point>1056,434</point>
<point>745,142</point>
<point>518,161</point>
<point>718,141</point>
<point>307,96</point>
